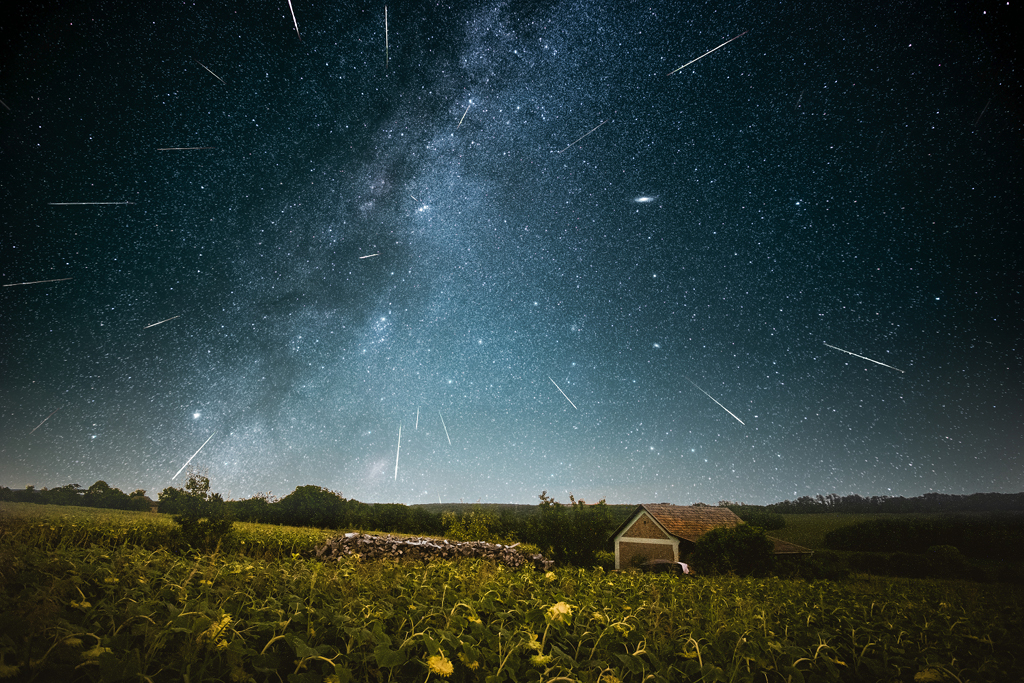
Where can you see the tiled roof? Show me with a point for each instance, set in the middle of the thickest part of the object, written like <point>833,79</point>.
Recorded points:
<point>691,522</point>
<point>684,521</point>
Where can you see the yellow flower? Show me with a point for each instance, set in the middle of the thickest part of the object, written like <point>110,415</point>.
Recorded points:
<point>472,666</point>
<point>533,643</point>
<point>559,611</point>
<point>540,660</point>
<point>440,665</point>
<point>550,576</point>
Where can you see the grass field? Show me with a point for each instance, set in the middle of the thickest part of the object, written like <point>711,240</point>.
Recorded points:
<point>90,595</point>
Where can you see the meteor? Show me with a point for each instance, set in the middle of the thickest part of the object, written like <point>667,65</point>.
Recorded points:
<point>294,20</point>
<point>193,456</point>
<point>38,282</point>
<point>562,392</point>
<point>860,356</point>
<point>178,149</point>
<point>705,55</point>
<point>161,322</point>
<point>208,69</point>
<point>464,115</point>
<point>713,399</point>
<point>386,47</point>
<point>87,203</point>
<point>580,137</point>
<point>445,427</point>
<point>398,451</point>
<point>44,420</point>
<point>369,256</point>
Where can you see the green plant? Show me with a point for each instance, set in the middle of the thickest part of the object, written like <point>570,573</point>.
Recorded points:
<point>202,517</point>
<point>743,550</point>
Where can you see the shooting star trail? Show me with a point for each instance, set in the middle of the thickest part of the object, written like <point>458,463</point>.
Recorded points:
<point>398,451</point>
<point>193,456</point>
<point>582,136</point>
<point>161,322</point>
<point>294,20</point>
<point>985,109</point>
<point>713,399</point>
<point>387,50</point>
<point>178,149</point>
<point>5,106</point>
<point>445,427</point>
<point>562,392</point>
<point>44,420</point>
<point>417,427</point>
<point>38,282</point>
<point>706,54</point>
<point>208,69</point>
<point>464,115</point>
<point>87,203</point>
<point>860,356</point>
<point>369,256</point>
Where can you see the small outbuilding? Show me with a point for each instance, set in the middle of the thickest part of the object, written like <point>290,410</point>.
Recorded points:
<point>660,531</point>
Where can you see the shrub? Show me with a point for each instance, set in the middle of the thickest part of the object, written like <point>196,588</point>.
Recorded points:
<point>744,550</point>
<point>202,518</point>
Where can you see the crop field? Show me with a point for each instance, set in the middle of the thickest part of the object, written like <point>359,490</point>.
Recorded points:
<point>94,596</point>
<point>809,530</point>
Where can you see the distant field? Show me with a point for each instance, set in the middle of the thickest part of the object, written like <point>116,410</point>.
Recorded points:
<point>809,530</point>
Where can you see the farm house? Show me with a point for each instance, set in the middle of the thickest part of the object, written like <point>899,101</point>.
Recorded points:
<point>661,531</point>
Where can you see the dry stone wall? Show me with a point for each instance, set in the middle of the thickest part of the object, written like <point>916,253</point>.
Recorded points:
<point>371,547</point>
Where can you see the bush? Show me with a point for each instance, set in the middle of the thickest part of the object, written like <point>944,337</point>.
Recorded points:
<point>743,550</point>
<point>202,518</point>
<point>574,533</point>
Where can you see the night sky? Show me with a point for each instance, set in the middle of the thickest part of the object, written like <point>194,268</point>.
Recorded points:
<point>488,204</point>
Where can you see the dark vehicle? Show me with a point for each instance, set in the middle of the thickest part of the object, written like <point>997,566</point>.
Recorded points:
<point>666,567</point>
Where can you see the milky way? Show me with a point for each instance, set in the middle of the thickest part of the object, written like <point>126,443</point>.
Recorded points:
<point>502,232</point>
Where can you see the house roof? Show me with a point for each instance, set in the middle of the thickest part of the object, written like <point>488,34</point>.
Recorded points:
<point>683,521</point>
<point>691,522</point>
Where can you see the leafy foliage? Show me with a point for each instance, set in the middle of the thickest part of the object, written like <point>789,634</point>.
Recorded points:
<point>743,550</point>
<point>202,517</point>
<point>574,533</point>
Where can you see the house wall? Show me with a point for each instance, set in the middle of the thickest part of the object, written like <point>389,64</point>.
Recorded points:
<point>644,527</point>
<point>644,538</point>
<point>627,551</point>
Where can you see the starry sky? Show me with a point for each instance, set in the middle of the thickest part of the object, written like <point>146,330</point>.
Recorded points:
<point>498,243</point>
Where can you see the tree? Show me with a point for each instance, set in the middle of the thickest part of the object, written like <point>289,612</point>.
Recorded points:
<point>572,533</point>
<point>744,550</point>
<point>312,506</point>
<point>202,518</point>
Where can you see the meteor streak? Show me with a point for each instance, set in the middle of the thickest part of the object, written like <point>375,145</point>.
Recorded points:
<point>178,149</point>
<point>398,451</point>
<point>208,69</point>
<point>86,203</point>
<point>705,55</point>
<point>369,256</point>
<point>713,399</point>
<point>860,356</point>
<point>294,20</point>
<point>38,282</point>
<point>417,427</point>
<point>562,392</point>
<point>44,420</point>
<point>464,115</point>
<point>445,427</point>
<point>386,47</point>
<point>580,137</point>
<point>161,322</point>
<point>193,455</point>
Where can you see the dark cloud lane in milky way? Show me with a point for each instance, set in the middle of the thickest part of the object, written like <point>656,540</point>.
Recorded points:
<point>293,247</point>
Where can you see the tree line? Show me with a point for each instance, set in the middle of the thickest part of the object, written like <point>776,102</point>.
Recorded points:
<point>929,502</point>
